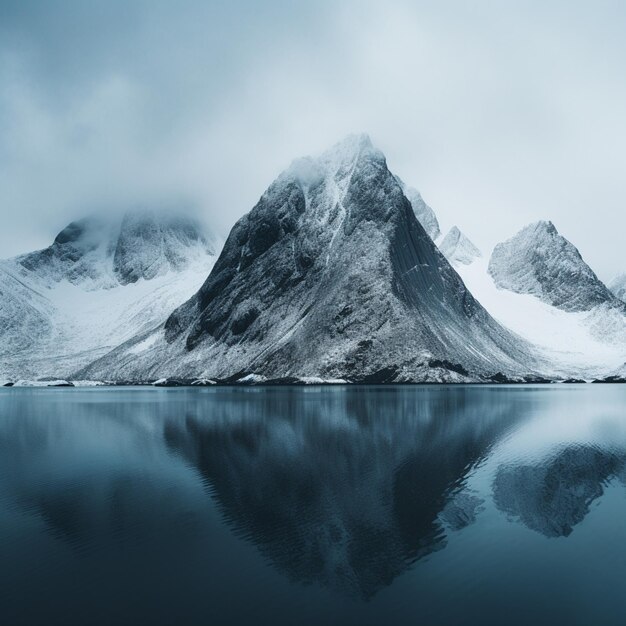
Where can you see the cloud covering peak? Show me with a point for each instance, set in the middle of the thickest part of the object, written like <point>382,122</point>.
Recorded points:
<point>490,111</point>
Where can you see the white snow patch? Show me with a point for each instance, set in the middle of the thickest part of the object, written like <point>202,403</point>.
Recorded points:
<point>144,345</point>
<point>314,380</point>
<point>592,341</point>
<point>253,378</point>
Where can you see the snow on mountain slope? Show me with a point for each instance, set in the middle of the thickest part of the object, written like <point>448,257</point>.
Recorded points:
<point>425,215</point>
<point>97,252</point>
<point>458,249</point>
<point>538,285</point>
<point>329,276</point>
<point>582,344</point>
<point>24,312</point>
<point>100,283</point>
<point>618,287</point>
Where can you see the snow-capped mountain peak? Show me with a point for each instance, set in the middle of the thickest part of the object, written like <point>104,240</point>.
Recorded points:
<point>330,276</point>
<point>458,249</point>
<point>101,281</point>
<point>540,261</point>
<point>97,252</point>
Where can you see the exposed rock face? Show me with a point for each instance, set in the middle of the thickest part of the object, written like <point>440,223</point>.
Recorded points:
<point>618,287</point>
<point>458,249</point>
<point>539,261</point>
<point>330,275</point>
<point>95,252</point>
<point>425,215</point>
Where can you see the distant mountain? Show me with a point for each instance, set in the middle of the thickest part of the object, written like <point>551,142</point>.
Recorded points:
<point>458,249</point>
<point>425,215</point>
<point>96,252</point>
<point>540,261</point>
<point>100,282</point>
<point>618,287</point>
<point>329,276</point>
<point>538,285</point>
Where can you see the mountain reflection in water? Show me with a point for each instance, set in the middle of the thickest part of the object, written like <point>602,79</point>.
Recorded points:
<point>341,491</point>
<point>344,489</point>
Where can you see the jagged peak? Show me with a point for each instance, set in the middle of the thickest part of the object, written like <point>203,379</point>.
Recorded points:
<point>350,146</point>
<point>458,249</point>
<point>336,161</point>
<point>539,261</point>
<point>454,234</point>
<point>540,227</point>
<point>102,250</point>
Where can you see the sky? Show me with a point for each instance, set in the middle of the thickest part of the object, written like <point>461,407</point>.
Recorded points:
<point>500,113</point>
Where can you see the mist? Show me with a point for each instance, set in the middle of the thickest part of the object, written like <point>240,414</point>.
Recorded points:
<point>500,114</point>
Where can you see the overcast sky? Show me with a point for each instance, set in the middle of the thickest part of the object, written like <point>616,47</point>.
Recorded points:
<point>501,113</point>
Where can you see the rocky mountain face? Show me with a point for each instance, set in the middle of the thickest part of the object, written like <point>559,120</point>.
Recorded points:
<point>332,276</point>
<point>618,287</point>
<point>99,283</point>
<point>541,262</point>
<point>95,252</point>
<point>458,249</point>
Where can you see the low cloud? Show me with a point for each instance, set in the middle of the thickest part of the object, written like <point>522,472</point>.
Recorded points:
<point>499,115</point>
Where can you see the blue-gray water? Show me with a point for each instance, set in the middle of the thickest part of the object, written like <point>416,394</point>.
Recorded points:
<point>394,505</point>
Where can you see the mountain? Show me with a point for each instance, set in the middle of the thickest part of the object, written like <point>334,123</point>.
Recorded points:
<point>540,261</point>
<point>99,253</point>
<point>618,287</point>
<point>100,282</point>
<point>329,276</point>
<point>538,285</point>
<point>425,215</point>
<point>458,249</point>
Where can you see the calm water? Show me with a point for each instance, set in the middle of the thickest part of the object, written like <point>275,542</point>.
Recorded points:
<point>396,505</point>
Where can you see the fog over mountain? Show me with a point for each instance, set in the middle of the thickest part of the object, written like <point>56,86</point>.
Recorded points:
<point>500,114</point>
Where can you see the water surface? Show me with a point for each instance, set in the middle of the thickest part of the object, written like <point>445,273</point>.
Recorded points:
<point>335,505</point>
